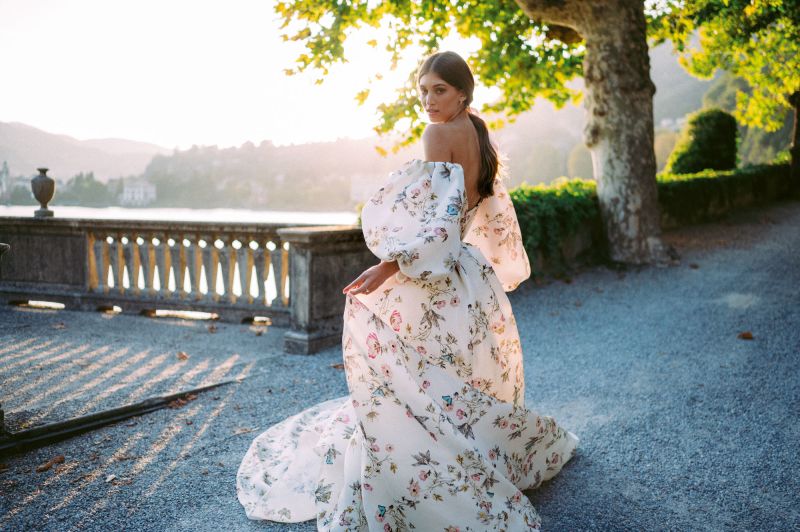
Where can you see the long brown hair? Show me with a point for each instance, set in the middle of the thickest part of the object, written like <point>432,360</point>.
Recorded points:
<point>454,70</point>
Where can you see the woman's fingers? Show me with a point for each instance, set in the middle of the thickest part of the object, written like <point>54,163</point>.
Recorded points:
<point>358,281</point>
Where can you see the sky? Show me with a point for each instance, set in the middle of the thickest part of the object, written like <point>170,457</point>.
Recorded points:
<point>178,73</point>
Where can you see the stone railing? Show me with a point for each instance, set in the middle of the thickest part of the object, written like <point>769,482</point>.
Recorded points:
<point>237,270</point>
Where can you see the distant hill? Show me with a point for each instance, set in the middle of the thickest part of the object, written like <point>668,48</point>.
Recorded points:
<point>537,146</point>
<point>27,148</point>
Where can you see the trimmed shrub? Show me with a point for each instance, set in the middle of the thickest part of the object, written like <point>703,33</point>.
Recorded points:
<point>708,142</point>
<point>549,213</point>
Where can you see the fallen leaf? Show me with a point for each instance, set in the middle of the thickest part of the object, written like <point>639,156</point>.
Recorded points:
<point>242,430</point>
<point>178,402</point>
<point>109,478</point>
<point>337,366</point>
<point>59,459</point>
<point>182,355</point>
<point>746,335</point>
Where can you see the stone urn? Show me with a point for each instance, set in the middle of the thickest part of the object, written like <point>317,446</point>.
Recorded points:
<point>43,189</point>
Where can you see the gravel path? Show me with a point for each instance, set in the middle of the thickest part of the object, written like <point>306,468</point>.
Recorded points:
<point>683,425</point>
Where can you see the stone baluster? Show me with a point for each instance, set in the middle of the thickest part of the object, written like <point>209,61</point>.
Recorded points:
<point>261,264</point>
<point>210,262</point>
<point>130,252</point>
<point>175,264</point>
<point>115,254</point>
<point>245,259</point>
<point>147,257</point>
<point>226,258</point>
<point>101,262</point>
<point>276,257</point>
<point>163,263</point>
<point>196,268</point>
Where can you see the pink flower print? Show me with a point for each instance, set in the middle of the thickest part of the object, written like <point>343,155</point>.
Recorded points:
<point>389,447</point>
<point>498,230</point>
<point>516,497</point>
<point>503,423</point>
<point>452,529</point>
<point>373,345</point>
<point>460,414</point>
<point>344,419</point>
<point>426,183</point>
<point>426,384</point>
<point>396,320</point>
<point>387,372</point>
<point>476,476</point>
<point>448,408</point>
<point>439,304</point>
<point>492,455</point>
<point>413,488</point>
<point>415,192</point>
<point>554,458</point>
<point>423,475</point>
<point>498,327</point>
<point>409,413</point>
<point>454,301</point>
<point>355,403</point>
<point>386,527</point>
<point>513,426</point>
<point>378,516</point>
<point>441,232</point>
<point>374,448</point>
<point>367,486</point>
<point>421,350</point>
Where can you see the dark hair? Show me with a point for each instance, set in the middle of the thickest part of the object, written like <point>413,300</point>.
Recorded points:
<point>454,70</point>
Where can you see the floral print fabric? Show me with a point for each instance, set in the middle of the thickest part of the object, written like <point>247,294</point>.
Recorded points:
<point>434,434</point>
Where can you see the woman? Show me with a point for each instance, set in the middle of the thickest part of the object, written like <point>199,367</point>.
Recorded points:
<point>434,433</point>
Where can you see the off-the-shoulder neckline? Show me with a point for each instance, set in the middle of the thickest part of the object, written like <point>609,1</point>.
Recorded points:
<point>451,164</point>
<point>437,162</point>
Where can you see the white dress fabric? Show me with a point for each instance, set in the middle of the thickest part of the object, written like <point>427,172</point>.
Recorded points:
<point>434,433</point>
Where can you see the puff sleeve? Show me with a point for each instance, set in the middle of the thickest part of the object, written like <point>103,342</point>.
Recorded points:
<point>415,218</point>
<point>496,232</point>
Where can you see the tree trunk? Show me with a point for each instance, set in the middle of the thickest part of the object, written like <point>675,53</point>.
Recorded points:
<point>794,171</point>
<point>619,128</point>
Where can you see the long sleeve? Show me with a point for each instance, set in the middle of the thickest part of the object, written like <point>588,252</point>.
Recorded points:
<point>415,218</point>
<point>495,231</point>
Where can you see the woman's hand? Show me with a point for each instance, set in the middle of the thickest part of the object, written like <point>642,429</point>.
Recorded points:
<point>372,278</point>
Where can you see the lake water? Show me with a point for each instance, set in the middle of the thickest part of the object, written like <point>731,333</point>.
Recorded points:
<point>189,215</point>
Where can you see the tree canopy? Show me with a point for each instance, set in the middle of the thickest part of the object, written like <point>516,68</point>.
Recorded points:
<point>521,57</point>
<point>755,40</point>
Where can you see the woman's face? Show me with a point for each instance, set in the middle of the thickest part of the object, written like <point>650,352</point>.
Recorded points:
<point>439,99</point>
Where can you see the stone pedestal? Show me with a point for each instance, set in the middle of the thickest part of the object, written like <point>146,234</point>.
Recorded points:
<point>322,261</point>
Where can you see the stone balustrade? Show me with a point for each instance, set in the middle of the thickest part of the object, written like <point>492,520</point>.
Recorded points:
<point>291,274</point>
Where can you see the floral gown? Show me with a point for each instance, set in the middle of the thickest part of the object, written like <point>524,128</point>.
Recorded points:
<point>434,434</point>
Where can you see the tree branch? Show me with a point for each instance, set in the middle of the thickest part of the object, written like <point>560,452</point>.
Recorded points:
<point>565,13</point>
